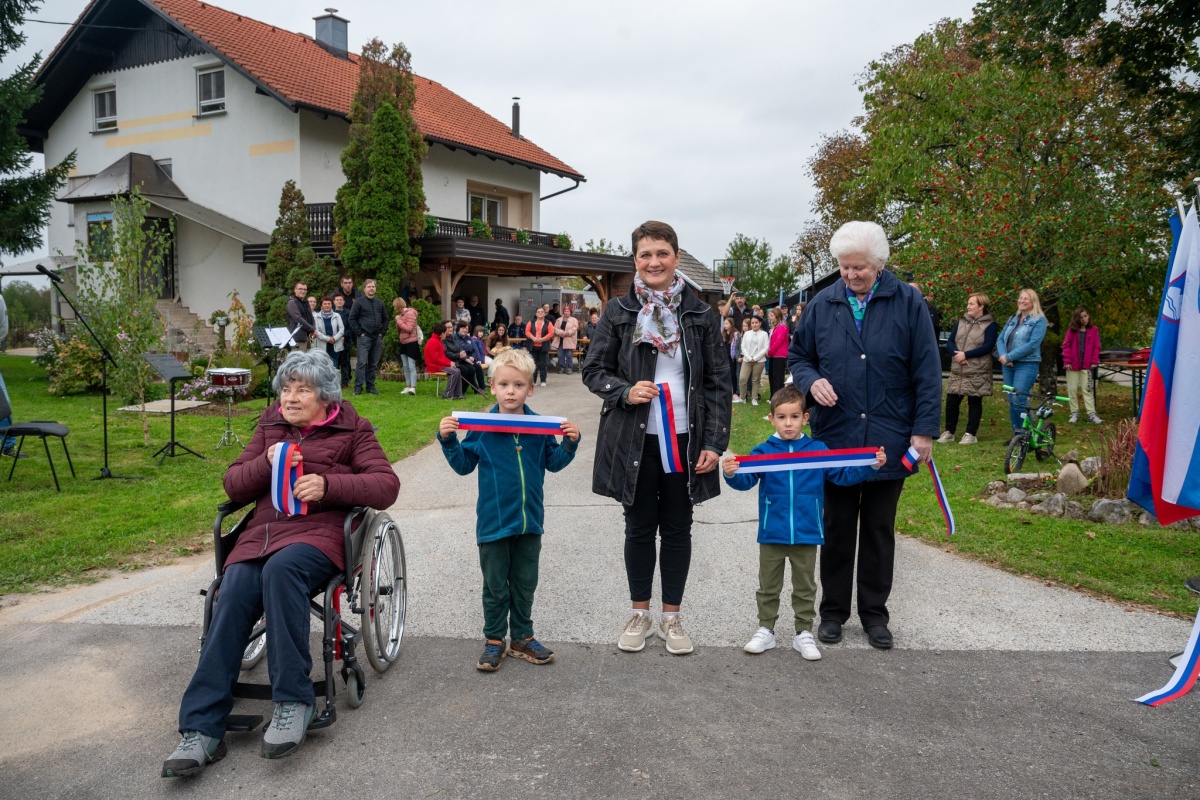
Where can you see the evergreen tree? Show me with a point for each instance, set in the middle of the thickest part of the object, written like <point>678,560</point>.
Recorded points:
<point>25,195</point>
<point>291,258</point>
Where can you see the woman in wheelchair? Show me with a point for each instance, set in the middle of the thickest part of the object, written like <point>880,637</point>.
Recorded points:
<point>280,561</point>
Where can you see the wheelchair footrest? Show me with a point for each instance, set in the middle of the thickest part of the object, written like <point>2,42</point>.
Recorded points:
<point>243,723</point>
<point>323,719</point>
<point>252,691</point>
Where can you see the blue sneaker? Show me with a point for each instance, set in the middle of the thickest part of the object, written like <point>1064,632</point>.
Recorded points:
<point>531,650</point>
<point>494,652</point>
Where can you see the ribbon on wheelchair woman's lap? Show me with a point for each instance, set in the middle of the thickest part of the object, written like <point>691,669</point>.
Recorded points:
<point>1185,674</point>
<point>808,459</point>
<point>283,481</point>
<point>911,460</point>
<point>668,440</point>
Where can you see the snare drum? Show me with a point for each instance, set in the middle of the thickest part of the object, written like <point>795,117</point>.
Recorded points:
<point>231,377</point>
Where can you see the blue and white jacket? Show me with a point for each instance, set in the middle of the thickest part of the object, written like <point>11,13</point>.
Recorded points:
<point>512,473</point>
<point>790,503</point>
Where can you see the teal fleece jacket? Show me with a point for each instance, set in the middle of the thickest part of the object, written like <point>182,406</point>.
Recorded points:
<point>512,471</point>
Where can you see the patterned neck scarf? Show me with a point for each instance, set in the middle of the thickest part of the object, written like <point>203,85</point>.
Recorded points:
<point>860,308</point>
<point>656,322</point>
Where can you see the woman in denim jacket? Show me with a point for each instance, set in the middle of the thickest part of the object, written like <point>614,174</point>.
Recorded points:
<point>1020,350</point>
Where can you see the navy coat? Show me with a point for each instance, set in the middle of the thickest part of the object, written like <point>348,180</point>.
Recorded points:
<point>888,379</point>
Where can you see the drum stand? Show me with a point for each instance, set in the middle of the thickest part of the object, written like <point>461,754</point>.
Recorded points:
<point>229,437</point>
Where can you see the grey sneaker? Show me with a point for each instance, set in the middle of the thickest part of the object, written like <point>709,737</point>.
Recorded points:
<point>946,437</point>
<point>639,626</point>
<point>192,753</point>
<point>1094,419</point>
<point>1073,418</point>
<point>289,726</point>
<point>670,630</point>
<point>968,439</point>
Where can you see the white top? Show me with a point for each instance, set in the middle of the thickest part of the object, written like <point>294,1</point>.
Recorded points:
<point>754,345</point>
<point>669,370</point>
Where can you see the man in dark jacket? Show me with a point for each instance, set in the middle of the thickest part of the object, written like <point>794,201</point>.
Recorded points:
<point>476,312</point>
<point>864,351</point>
<point>348,292</point>
<point>501,319</point>
<point>369,319</point>
<point>300,317</point>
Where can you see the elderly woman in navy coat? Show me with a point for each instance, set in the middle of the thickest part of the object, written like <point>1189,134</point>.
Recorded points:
<point>865,352</point>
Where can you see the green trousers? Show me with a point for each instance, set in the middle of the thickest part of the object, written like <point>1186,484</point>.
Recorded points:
<point>510,576</point>
<point>771,558</point>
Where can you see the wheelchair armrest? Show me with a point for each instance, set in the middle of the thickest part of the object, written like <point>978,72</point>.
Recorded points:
<point>229,507</point>
<point>348,548</point>
<point>223,543</point>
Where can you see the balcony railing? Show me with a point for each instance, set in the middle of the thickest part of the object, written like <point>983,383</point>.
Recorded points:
<point>320,223</point>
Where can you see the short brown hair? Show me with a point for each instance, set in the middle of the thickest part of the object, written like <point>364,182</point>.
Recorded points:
<point>787,394</point>
<point>660,231</point>
<point>984,301</point>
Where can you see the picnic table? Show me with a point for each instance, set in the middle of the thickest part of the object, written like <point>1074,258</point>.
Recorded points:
<point>1137,377</point>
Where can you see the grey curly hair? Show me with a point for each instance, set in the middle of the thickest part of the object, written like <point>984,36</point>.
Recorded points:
<point>313,368</point>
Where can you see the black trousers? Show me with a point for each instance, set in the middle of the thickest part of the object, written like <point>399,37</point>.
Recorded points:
<point>661,507</point>
<point>776,374</point>
<point>974,412</point>
<point>541,358</point>
<point>862,518</point>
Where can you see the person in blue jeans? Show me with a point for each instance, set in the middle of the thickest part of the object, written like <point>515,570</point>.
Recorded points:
<point>7,443</point>
<point>1020,349</point>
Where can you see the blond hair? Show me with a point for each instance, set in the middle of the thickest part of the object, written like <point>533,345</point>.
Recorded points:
<point>520,360</point>
<point>1036,311</point>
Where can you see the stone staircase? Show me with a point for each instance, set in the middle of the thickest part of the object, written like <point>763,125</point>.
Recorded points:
<point>183,324</point>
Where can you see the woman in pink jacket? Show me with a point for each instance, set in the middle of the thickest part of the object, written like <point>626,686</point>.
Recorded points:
<point>777,350</point>
<point>567,328</point>
<point>410,346</point>
<point>1081,355</point>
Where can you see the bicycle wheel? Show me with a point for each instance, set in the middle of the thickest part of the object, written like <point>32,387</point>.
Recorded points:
<point>1049,436</point>
<point>1014,456</point>
<point>384,587</point>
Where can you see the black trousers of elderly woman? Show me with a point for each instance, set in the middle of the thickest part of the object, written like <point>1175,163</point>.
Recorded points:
<point>662,508</point>
<point>863,518</point>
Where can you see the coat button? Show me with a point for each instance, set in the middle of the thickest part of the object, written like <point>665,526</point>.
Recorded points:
<point>655,350</point>
<point>608,386</point>
<point>864,355</point>
<point>642,426</point>
<point>864,416</point>
<point>635,463</point>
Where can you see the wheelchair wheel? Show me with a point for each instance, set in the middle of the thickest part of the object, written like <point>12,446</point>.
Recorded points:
<point>384,586</point>
<point>356,690</point>
<point>257,648</point>
<point>1014,456</point>
<point>1050,430</point>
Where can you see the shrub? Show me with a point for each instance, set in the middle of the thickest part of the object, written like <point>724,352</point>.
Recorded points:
<point>1115,446</point>
<point>431,223</point>
<point>480,229</point>
<point>428,315</point>
<point>76,366</point>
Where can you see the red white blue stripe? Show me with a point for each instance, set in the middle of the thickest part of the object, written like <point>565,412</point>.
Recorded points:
<point>809,459</point>
<point>911,459</point>
<point>509,423</point>
<point>1185,674</point>
<point>283,481</point>
<point>668,440</point>
<point>943,501</point>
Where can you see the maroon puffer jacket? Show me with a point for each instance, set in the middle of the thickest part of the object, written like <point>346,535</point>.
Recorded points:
<point>345,452</point>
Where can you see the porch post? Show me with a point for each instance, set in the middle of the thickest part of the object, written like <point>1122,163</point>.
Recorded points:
<point>447,303</point>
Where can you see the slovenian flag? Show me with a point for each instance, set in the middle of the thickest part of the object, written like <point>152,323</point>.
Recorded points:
<point>668,440</point>
<point>810,459</point>
<point>1185,674</point>
<point>1166,467</point>
<point>509,423</point>
<point>283,481</point>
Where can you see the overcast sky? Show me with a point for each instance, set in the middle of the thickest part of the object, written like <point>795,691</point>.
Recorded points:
<point>699,113</point>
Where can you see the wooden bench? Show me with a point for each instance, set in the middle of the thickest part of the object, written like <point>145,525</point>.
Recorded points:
<point>437,377</point>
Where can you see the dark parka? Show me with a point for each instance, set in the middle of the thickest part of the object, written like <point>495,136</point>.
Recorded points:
<point>344,452</point>
<point>888,380</point>
<point>615,362</point>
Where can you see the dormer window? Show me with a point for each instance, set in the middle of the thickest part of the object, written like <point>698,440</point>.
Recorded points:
<point>105,105</point>
<point>210,91</point>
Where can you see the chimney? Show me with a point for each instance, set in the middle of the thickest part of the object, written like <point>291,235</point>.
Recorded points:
<point>332,33</point>
<point>516,126</point>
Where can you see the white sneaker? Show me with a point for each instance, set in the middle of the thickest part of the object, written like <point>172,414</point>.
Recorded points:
<point>806,646</point>
<point>409,390</point>
<point>543,383</point>
<point>967,439</point>
<point>946,437</point>
<point>670,630</point>
<point>737,399</point>
<point>1094,419</point>
<point>762,640</point>
<point>639,626</point>
<point>1073,418</point>
<point>754,402</point>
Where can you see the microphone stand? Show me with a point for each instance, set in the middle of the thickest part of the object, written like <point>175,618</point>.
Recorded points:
<point>105,358</point>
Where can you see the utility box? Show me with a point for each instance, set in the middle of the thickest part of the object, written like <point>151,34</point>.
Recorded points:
<point>532,298</point>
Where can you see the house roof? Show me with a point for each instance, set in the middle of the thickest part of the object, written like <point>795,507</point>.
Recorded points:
<point>298,72</point>
<point>700,276</point>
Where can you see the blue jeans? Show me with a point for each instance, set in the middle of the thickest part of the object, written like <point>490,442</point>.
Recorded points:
<point>9,441</point>
<point>1020,376</point>
<point>280,585</point>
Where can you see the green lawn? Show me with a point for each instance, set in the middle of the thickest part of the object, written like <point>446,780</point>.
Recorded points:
<point>1133,564</point>
<point>49,538</point>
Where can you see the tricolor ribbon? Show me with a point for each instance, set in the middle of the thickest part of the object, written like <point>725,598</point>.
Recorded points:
<point>1185,674</point>
<point>668,440</point>
<point>509,423</point>
<point>283,481</point>
<point>911,460</point>
<point>808,459</point>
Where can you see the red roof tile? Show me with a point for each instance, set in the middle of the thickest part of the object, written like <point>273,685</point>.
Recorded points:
<point>301,72</point>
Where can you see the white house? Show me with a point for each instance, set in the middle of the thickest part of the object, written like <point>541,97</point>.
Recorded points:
<point>210,112</point>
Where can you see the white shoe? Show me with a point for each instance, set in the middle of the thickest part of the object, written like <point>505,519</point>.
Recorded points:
<point>806,646</point>
<point>409,390</point>
<point>639,626</point>
<point>1073,418</point>
<point>737,399</point>
<point>967,439</point>
<point>670,630</point>
<point>754,402</point>
<point>1094,419</point>
<point>762,640</point>
<point>946,437</point>
<point>543,383</point>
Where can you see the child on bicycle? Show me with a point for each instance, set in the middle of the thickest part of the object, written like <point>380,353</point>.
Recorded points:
<point>508,524</point>
<point>790,509</point>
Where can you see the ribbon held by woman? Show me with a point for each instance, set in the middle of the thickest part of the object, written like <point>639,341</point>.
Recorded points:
<point>910,460</point>
<point>283,481</point>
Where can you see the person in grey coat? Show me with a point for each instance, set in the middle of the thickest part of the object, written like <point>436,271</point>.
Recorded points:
<point>659,334</point>
<point>865,352</point>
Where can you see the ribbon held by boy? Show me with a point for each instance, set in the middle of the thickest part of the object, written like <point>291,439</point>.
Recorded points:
<point>487,422</point>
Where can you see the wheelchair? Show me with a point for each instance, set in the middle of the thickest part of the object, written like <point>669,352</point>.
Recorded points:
<point>373,585</point>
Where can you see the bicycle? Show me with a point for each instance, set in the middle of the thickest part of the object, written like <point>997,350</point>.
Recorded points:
<point>1037,432</point>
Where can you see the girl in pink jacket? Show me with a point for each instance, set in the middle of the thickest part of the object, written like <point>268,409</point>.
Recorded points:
<point>1081,354</point>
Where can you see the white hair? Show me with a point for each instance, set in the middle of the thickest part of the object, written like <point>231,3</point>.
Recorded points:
<point>313,368</point>
<point>861,238</point>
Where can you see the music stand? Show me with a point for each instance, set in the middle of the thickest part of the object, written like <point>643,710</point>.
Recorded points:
<point>169,367</point>
<point>272,341</point>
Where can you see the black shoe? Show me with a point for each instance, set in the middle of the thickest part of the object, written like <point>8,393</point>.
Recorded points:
<point>357,390</point>
<point>372,390</point>
<point>11,452</point>
<point>829,632</point>
<point>1192,585</point>
<point>879,636</point>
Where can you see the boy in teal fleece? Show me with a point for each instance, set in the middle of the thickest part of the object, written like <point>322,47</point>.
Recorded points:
<point>790,510</point>
<point>509,512</point>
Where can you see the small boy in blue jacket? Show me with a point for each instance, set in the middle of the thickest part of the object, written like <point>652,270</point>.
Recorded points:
<point>790,509</point>
<point>509,512</point>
